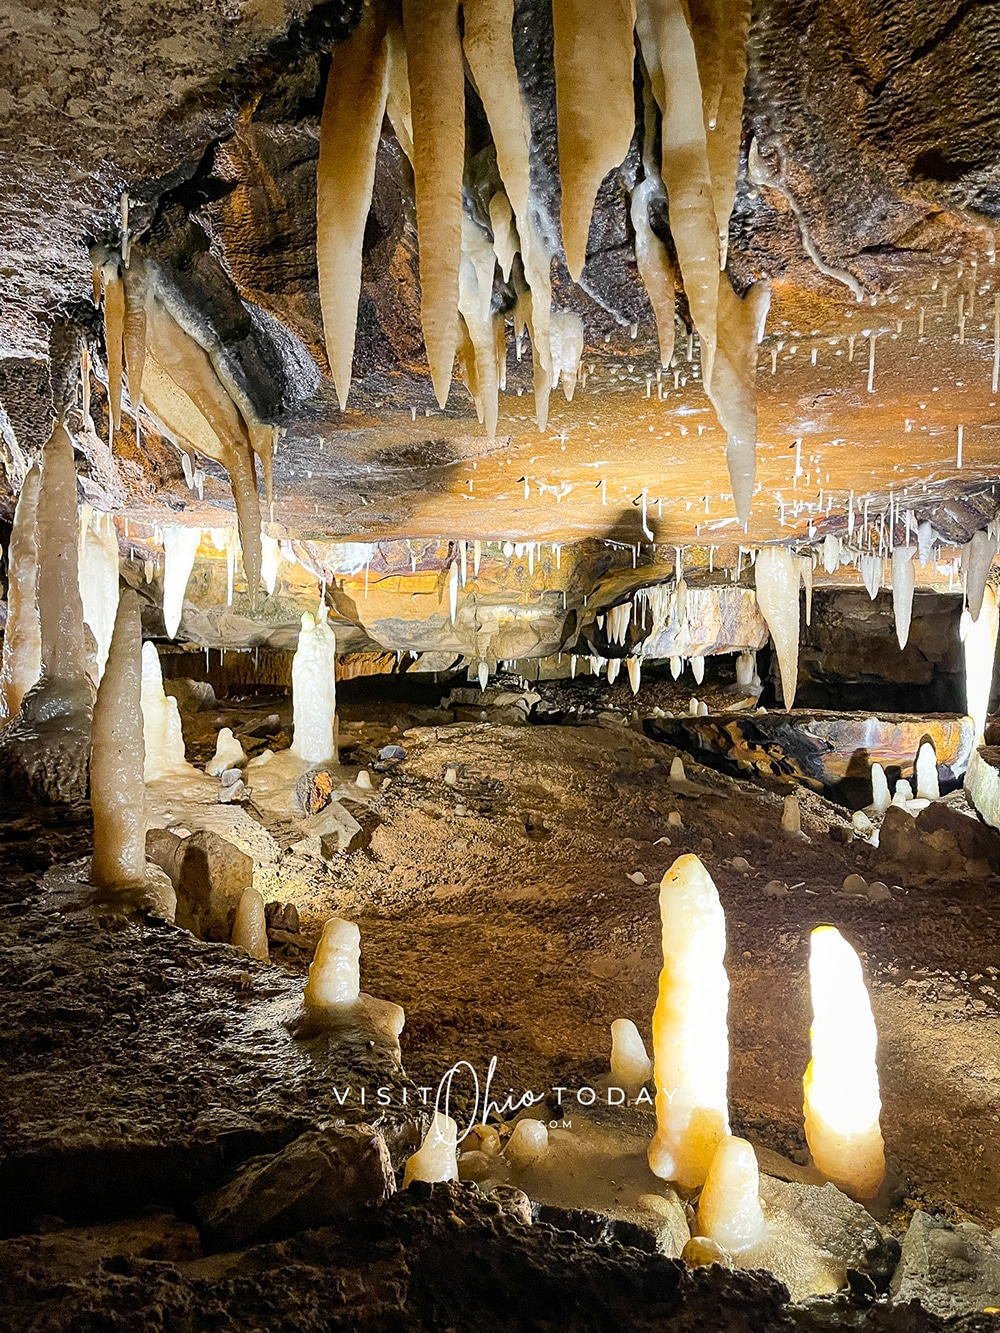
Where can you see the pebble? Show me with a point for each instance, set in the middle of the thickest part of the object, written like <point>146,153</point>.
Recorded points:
<point>740,863</point>
<point>637,877</point>
<point>856,884</point>
<point>775,888</point>
<point>879,892</point>
<point>674,819</point>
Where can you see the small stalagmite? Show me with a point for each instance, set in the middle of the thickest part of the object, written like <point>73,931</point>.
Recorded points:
<point>631,1067</point>
<point>437,1157</point>
<point>690,1027</point>
<point>117,794</point>
<point>228,754</point>
<point>314,690</point>
<point>791,816</point>
<point>22,640</point>
<point>777,580</point>
<point>881,798</point>
<point>335,971</point>
<point>250,925</point>
<point>528,1144</point>
<point>729,1210</point>
<point>928,787</point>
<point>841,1087</point>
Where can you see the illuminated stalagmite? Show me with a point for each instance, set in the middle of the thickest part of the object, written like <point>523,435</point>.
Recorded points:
<point>690,1027</point>
<point>117,754</point>
<point>22,640</point>
<point>314,690</point>
<point>841,1087</point>
<point>729,1210</point>
<point>161,722</point>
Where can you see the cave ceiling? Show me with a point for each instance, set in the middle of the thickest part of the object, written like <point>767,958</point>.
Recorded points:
<point>869,168</point>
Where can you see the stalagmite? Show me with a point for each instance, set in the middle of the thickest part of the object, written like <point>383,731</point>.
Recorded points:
<point>631,1067</point>
<point>98,578</point>
<point>437,106</point>
<point>903,579</point>
<point>746,669</point>
<point>977,557</point>
<point>594,56</point>
<point>880,789</point>
<point>791,816</point>
<point>161,722</point>
<point>180,546</point>
<point>903,794</point>
<point>690,1028</point>
<point>22,639</point>
<point>729,1210</point>
<point>527,1145</point>
<point>928,787</point>
<point>335,971</point>
<point>841,1089</point>
<point>314,690</point>
<point>250,925</point>
<point>60,611</point>
<point>117,794</point>
<point>356,90</point>
<point>777,582</point>
<point>677,773</point>
<point>228,754</point>
<point>114,333</point>
<point>437,1157</point>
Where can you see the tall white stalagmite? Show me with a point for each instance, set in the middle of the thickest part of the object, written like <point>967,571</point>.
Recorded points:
<point>928,787</point>
<point>690,1027</point>
<point>777,580</point>
<point>161,722</point>
<point>180,546</point>
<point>979,645</point>
<point>904,576</point>
<point>22,640</point>
<point>314,690</point>
<point>881,800</point>
<point>250,925</point>
<point>60,611</point>
<point>729,1210</point>
<point>841,1089</point>
<point>117,753</point>
<point>98,576</point>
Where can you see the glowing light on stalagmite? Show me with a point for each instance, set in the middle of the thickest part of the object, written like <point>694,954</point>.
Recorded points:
<point>437,1157</point>
<point>881,800</point>
<point>314,690</point>
<point>60,611</point>
<point>117,754</point>
<point>841,1089</point>
<point>777,582</point>
<point>98,577</point>
<point>180,546</point>
<point>904,577</point>
<point>161,722</point>
<point>979,647</point>
<point>437,107</point>
<point>355,100</point>
<point>729,1210</point>
<point>631,1066</point>
<point>690,1027</point>
<point>22,640</point>
<point>594,54</point>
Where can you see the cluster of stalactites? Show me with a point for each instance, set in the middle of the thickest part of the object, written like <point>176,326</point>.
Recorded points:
<point>180,380</point>
<point>413,68</point>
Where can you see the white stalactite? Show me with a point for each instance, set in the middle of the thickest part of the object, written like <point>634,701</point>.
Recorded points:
<point>777,581</point>
<point>903,580</point>
<point>180,546</point>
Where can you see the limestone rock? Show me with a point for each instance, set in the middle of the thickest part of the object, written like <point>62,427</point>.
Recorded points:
<point>213,874</point>
<point>193,696</point>
<point>950,1270</point>
<point>321,1176</point>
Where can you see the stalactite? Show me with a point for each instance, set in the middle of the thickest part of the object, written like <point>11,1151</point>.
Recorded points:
<point>655,267</point>
<point>356,91</point>
<point>475,292</point>
<point>977,557</point>
<point>504,234</point>
<point>437,104</point>
<point>60,611</point>
<point>22,639</point>
<point>117,754</point>
<point>594,56</point>
<point>114,333</point>
<point>777,583</point>
<point>903,579</point>
<point>180,546</point>
<point>134,328</point>
<point>98,579</point>
<point>566,341</point>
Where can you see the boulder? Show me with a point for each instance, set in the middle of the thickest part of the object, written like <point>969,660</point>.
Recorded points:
<point>950,1270</point>
<point>322,1176</point>
<point>212,876</point>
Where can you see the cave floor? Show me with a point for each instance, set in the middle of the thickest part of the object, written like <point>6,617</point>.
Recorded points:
<point>504,914</point>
